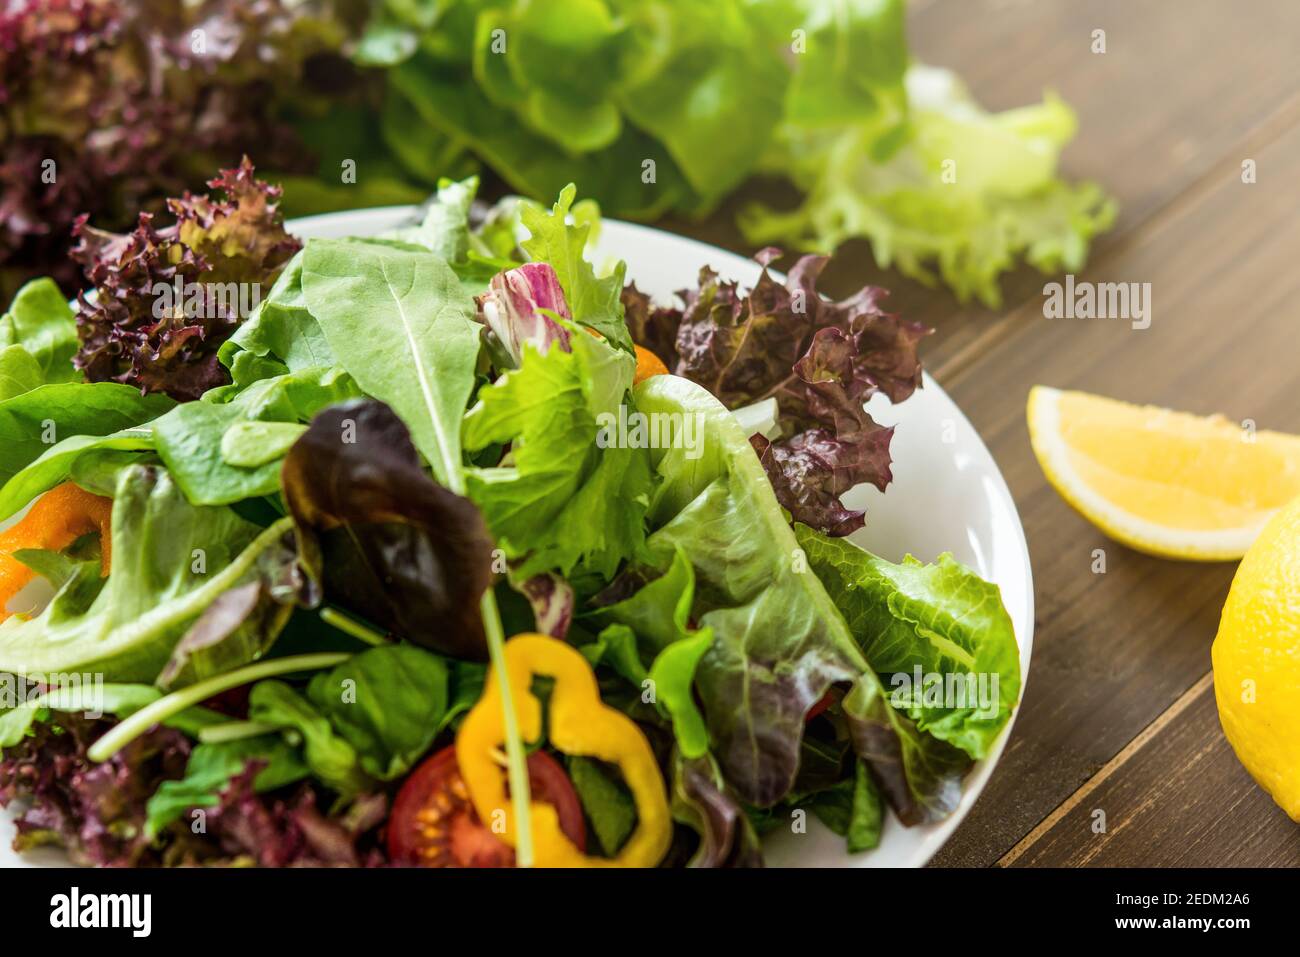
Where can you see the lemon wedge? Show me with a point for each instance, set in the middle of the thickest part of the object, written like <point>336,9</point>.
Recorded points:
<point>1163,482</point>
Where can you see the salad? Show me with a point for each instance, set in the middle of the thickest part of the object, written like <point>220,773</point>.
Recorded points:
<point>451,550</point>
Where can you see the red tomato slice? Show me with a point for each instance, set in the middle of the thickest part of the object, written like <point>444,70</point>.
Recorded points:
<point>433,823</point>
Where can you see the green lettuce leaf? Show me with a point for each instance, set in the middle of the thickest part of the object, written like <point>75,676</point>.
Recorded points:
<point>171,560</point>
<point>210,770</point>
<point>563,500</point>
<point>41,321</point>
<point>33,423</point>
<point>942,619</point>
<point>203,443</point>
<point>956,193</point>
<point>593,302</point>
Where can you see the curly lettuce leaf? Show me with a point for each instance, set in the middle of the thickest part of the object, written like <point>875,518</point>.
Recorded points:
<point>594,301</point>
<point>956,194</point>
<point>560,500</point>
<point>942,619</point>
<point>214,253</point>
<point>821,360</point>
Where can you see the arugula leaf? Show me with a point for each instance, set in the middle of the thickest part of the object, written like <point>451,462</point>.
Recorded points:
<point>402,326</point>
<point>444,231</point>
<point>940,619</point>
<point>564,501</point>
<point>593,302</point>
<point>389,703</point>
<point>41,321</point>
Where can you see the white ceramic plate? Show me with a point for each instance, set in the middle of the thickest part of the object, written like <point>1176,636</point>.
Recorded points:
<point>947,495</point>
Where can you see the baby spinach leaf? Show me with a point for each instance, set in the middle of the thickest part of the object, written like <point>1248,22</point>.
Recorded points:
<point>191,438</point>
<point>382,538</point>
<point>609,808</point>
<point>32,423</point>
<point>330,757</point>
<point>389,703</point>
<point>400,323</point>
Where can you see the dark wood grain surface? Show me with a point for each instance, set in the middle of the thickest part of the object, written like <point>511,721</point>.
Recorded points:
<point>1118,715</point>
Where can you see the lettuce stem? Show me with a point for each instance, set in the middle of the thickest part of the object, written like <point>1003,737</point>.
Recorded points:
<point>130,728</point>
<point>516,767</point>
<point>350,626</point>
<point>235,731</point>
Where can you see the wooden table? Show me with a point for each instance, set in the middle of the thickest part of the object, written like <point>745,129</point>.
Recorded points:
<point>1119,714</point>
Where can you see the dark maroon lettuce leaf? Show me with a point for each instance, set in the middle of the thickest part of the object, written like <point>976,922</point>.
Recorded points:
<point>919,775</point>
<point>96,812</point>
<point>383,539</point>
<point>213,247</point>
<point>114,94</point>
<point>286,830</point>
<point>702,801</point>
<point>822,360</point>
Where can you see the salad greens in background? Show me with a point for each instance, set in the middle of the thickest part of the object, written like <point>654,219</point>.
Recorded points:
<point>393,466</point>
<point>653,106</point>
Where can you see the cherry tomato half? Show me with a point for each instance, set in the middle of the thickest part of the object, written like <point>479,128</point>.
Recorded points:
<point>433,823</point>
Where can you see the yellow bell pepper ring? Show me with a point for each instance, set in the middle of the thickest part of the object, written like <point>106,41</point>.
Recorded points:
<point>580,724</point>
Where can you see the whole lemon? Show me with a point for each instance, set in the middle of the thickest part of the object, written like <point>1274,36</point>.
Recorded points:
<point>1256,659</point>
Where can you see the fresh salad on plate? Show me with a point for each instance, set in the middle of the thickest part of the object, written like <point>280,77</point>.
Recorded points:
<point>447,548</point>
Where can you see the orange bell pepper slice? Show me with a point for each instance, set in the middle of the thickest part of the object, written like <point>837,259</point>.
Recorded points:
<point>56,520</point>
